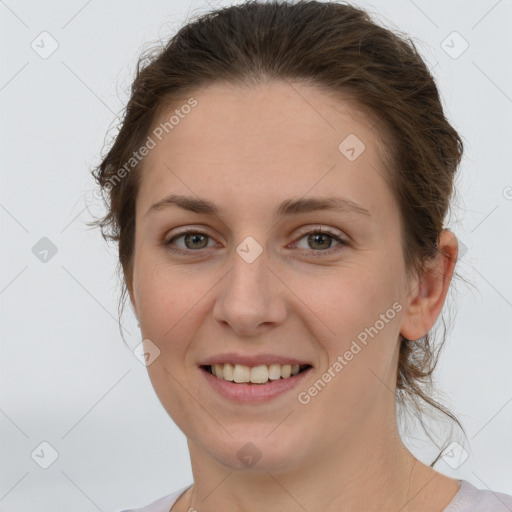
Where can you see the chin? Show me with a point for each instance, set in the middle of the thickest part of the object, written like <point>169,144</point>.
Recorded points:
<point>255,451</point>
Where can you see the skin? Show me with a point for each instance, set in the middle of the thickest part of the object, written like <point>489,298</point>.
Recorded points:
<point>247,150</point>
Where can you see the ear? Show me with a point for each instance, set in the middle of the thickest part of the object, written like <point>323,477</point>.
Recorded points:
<point>427,293</point>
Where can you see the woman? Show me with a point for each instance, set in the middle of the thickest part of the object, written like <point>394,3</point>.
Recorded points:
<point>278,190</point>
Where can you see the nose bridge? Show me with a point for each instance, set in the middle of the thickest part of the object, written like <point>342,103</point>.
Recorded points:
<point>247,296</point>
<point>248,278</point>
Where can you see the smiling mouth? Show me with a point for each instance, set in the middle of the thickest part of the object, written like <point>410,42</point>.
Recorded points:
<point>261,374</point>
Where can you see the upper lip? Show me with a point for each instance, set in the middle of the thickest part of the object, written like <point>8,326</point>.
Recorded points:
<point>255,360</point>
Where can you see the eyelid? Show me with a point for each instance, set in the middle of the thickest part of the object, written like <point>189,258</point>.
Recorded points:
<point>183,232</point>
<point>318,228</point>
<point>337,236</point>
<point>308,230</point>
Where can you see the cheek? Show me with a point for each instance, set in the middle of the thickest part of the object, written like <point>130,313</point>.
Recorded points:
<point>358,311</point>
<point>345,301</point>
<point>165,299</point>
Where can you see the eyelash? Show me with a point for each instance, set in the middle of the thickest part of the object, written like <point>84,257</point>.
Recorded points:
<point>316,231</point>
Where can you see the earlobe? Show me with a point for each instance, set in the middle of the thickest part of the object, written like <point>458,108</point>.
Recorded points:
<point>428,293</point>
<point>415,323</point>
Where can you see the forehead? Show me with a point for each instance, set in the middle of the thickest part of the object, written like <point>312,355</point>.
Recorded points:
<point>270,141</point>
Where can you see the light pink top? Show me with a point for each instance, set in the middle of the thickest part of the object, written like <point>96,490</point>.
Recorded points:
<point>467,499</point>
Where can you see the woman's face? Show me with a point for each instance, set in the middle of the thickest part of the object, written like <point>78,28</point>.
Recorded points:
<point>257,282</point>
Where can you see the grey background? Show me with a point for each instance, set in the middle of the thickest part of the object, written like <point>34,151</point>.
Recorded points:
<point>66,377</point>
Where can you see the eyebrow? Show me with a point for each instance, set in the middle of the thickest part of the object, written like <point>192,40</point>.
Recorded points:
<point>288,207</point>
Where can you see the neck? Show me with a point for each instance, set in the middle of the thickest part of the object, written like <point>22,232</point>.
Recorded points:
<point>369,469</point>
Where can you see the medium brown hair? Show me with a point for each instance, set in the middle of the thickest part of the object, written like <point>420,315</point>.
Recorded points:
<point>342,51</point>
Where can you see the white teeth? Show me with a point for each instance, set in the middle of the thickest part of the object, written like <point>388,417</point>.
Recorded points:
<point>286,370</point>
<point>274,371</point>
<point>259,374</point>
<point>256,374</point>
<point>241,373</point>
<point>218,369</point>
<point>226,370</point>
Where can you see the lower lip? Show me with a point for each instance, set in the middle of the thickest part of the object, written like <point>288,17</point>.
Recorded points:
<point>253,393</point>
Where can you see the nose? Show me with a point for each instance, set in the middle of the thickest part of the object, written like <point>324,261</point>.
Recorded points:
<point>250,297</point>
